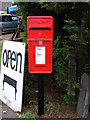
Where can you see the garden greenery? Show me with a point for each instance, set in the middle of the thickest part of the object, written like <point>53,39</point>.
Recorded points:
<point>71,36</point>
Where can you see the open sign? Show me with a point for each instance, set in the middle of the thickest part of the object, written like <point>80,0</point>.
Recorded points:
<point>12,73</point>
<point>12,59</point>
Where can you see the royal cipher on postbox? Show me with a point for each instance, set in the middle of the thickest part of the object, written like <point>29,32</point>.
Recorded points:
<point>40,43</point>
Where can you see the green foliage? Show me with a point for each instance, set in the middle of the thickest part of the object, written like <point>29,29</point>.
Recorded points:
<point>28,93</point>
<point>26,115</point>
<point>0,60</point>
<point>66,99</point>
<point>29,9</point>
<point>33,105</point>
<point>53,6</point>
<point>0,102</point>
<point>72,35</point>
<point>61,52</point>
<point>65,48</point>
<point>67,40</point>
<point>69,97</point>
<point>48,98</point>
<point>53,108</point>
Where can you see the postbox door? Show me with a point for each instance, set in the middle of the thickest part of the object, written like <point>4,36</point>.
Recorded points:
<point>40,40</point>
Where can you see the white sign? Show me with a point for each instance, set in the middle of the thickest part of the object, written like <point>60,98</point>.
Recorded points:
<point>40,54</point>
<point>12,73</point>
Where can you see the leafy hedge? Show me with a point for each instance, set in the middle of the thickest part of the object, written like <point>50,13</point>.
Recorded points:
<point>71,35</point>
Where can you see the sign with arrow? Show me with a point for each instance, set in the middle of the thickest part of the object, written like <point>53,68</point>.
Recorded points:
<point>12,73</point>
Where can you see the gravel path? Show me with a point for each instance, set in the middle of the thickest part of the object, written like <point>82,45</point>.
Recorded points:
<point>5,36</point>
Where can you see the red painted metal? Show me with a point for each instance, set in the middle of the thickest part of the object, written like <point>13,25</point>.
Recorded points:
<point>40,36</point>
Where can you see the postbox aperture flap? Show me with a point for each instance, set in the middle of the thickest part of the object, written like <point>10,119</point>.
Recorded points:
<point>40,28</point>
<point>40,22</point>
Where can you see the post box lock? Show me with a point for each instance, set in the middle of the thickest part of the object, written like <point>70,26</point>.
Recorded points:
<point>40,42</point>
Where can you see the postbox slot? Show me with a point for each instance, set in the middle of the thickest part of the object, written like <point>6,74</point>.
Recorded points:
<point>34,28</point>
<point>39,40</point>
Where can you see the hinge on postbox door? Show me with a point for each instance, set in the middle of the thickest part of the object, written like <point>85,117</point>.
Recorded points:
<point>40,42</point>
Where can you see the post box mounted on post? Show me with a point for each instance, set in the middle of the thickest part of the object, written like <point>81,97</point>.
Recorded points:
<point>40,41</point>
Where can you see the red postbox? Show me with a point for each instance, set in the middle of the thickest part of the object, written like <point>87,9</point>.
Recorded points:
<point>40,41</point>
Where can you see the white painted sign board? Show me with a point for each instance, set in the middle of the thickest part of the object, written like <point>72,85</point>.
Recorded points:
<point>12,73</point>
<point>40,54</point>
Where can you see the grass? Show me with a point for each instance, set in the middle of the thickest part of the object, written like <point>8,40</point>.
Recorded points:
<point>24,37</point>
<point>0,58</point>
<point>0,102</point>
<point>1,47</point>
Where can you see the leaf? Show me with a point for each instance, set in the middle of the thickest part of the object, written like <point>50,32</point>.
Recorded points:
<point>73,94</point>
